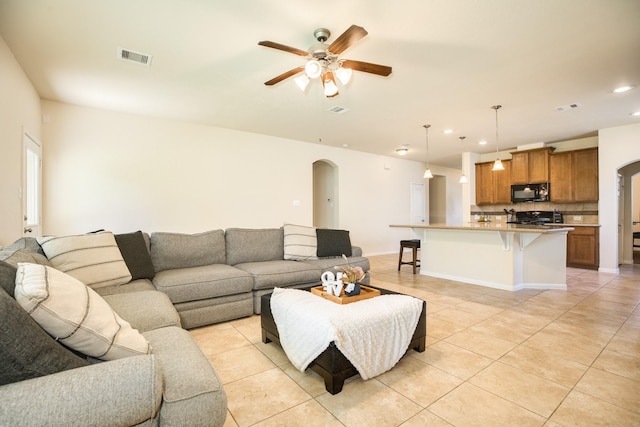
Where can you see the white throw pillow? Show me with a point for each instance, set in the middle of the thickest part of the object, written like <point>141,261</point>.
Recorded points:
<point>94,258</point>
<point>75,314</point>
<point>300,242</point>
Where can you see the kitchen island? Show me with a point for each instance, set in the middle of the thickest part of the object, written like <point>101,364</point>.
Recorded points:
<point>501,256</point>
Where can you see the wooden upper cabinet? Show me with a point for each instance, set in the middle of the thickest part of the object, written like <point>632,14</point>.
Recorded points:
<point>539,166</point>
<point>520,168</point>
<point>484,184</point>
<point>585,175</point>
<point>502,184</point>
<point>560,177</point>
<point>530,167</point>
<point>493,188</point>
<point>574,176</point>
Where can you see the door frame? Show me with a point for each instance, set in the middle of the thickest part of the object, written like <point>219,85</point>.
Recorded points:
<point>31,224</point>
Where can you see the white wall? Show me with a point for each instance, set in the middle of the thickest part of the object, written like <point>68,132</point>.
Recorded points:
<point>19,111</point>
<point>123,173</point>
<point>618,147</point>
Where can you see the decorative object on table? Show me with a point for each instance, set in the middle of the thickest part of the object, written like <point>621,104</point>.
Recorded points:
<point>331,284</point>
<point>351,277</point>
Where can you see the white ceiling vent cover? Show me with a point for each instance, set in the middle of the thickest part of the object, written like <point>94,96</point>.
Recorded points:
<point>137,57</point>
<point>573,106</point>
<point>338,109</point>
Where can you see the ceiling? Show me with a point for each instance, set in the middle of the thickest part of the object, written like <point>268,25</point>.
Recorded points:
<point>452,60</point>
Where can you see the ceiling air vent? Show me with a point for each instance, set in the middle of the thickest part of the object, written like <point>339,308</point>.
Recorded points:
<point>568,107</point>
<point>338,109</point>
<point>130,55</point>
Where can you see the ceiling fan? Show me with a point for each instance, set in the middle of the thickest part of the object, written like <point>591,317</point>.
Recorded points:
<point>323,60</point>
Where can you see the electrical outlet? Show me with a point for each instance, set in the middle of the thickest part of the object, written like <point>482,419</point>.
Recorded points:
<point>577,218</point>
<point>498,217</point>
<point>296,203</point>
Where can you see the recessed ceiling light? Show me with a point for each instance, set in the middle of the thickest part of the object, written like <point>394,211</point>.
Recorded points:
<point>345,145</point>
<point>622,89</point>
<point>636,114</point>
<point>402,150</point>
<point>482,142</point>
<point>447,131</point>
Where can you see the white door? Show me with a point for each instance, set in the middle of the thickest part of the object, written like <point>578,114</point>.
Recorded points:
<point>31,187</point>
<point>417,203</point>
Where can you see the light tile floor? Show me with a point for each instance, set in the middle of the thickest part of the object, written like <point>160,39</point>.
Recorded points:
<point>553,358</point>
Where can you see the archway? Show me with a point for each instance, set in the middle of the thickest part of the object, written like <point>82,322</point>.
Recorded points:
<point>629,209</point>
<point>325,194</point>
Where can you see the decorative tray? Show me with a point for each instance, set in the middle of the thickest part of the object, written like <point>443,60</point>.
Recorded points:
<point>365,293</point>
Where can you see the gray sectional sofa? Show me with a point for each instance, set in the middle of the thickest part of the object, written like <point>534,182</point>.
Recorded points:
<point>175,282</point>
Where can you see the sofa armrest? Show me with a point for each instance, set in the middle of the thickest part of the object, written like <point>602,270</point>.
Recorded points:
<point>121,392</point>
<point>356,251</point>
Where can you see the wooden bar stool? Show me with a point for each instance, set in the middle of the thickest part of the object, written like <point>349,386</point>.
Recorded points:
<point>414,245</point>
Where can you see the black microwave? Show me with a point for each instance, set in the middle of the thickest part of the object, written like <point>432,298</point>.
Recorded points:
<point>530,193</point>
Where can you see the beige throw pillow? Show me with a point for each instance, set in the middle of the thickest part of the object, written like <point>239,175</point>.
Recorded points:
<point>75,314</point>
<point>93,258</point>
<point>300,242</point>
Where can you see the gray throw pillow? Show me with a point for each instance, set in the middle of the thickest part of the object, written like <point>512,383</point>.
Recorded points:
<point>26,350</point>
<point>7,277</point>
<point>136,255</point>
<point>333,242</point>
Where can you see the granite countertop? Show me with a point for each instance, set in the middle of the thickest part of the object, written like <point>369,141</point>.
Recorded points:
<point>488,226</point>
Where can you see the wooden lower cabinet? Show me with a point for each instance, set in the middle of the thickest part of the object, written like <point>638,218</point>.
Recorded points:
<point>583,248</point>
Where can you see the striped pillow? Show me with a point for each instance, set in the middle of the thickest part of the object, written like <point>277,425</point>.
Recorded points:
<point>300,242</point>
<point>75,314</point>
<point>94,258</point>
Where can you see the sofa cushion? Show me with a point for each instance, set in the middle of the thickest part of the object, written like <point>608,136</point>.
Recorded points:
<point>94,258</point>
<point>193,394</point>
<point>26,350</point>
<point>133,307</point>
<point>176,250</point>
<point>333,243</point>
<point>300,242</point>
<point>27,244</point>
<point>282,273</point>
<point>13,257</point>
<point>255,244</point>
<point>197,283</point>
<point>132,286</point>
<point>75,314</point>
<point>136,255</point>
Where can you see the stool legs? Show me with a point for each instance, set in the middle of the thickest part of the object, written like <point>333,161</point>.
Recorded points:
<point>414,252</point>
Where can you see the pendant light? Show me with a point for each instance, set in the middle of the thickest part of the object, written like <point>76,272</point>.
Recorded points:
<point>463,177</point>
<point>427,173</point>
<point>497,165</point>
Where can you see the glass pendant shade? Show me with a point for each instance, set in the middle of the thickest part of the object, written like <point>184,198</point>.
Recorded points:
<point>497,165</point>
<point>344,75</point>
<point>302,82</point>
<point>428,174</point>
<point>463,179</point>
<point>313,69</point>
<point>329,83</point>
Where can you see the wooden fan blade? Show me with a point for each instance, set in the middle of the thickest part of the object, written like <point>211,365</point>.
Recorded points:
<point>285,75</point>
<point>279,46</point>
<point>367,67</point>
<point>346,39</point>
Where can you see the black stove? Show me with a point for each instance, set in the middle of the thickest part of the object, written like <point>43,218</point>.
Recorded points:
<point>537,217</point>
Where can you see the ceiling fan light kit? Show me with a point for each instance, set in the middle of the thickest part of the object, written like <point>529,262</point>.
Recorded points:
<point>324,62</point>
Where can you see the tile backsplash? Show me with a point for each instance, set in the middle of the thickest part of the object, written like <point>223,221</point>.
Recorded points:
<point>572,213</point>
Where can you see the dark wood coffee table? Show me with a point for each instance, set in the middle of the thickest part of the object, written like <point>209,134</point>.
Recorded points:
<point>332,365</point>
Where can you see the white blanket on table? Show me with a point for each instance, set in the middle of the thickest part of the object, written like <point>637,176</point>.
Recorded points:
<point>373,334</point>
